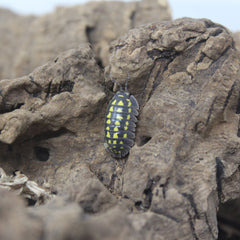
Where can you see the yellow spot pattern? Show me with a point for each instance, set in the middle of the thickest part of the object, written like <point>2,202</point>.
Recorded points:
<point>114,141</point>
<point>114,102</point>
<point>128,117</point>
<point>119,110</point>
<point>124,135</point>
<point>121,147</point>
<point>120,103</point>
<point>120,117</point>
<point>109,115</point>
<point>111,109</point>
<point>108,121</point>
<point>115,129</point>
<point>108,135</point>
<point>120,95</point>
<point>129,104</point>
<point>121,142</point>
<point>117,123</point>
<point>127,123</point>
<point>107,128</point>
<point>125,128</point>
<point>129,110</point>
<point>115,135</point>
<point>109,141</point>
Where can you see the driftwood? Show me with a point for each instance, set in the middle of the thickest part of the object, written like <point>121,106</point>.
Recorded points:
<point>184,164</point>
<point>32,41</point>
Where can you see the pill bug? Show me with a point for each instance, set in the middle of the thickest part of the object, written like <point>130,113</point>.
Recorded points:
<point>120,123</point>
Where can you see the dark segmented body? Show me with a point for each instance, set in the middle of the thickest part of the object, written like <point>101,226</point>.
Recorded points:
<point>120,124</point>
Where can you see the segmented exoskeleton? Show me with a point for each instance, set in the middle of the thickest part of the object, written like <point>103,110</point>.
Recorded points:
<point>120,123</point>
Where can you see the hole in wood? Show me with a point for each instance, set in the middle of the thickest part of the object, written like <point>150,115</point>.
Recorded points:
<point>41,153</point>
<point>144,140</point>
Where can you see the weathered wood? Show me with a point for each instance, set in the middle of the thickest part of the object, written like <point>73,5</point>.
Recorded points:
<point>185,75</point>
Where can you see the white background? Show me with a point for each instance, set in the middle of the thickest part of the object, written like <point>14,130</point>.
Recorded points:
<point>225,12</point>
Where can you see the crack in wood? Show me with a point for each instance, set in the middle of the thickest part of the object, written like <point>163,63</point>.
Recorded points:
<point>193,230</point>
<point>228,96</point>
<point>209,227</point>
<point>161,70</point>
<point>219,176</point>
<point>210,111</point>
<point>238,105</point>
<point>49,89</point>
<point>148,192</point>
<point>190,199</point>
<point>112,182</point>
<point>238,132</point>
<point>164,187</point>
